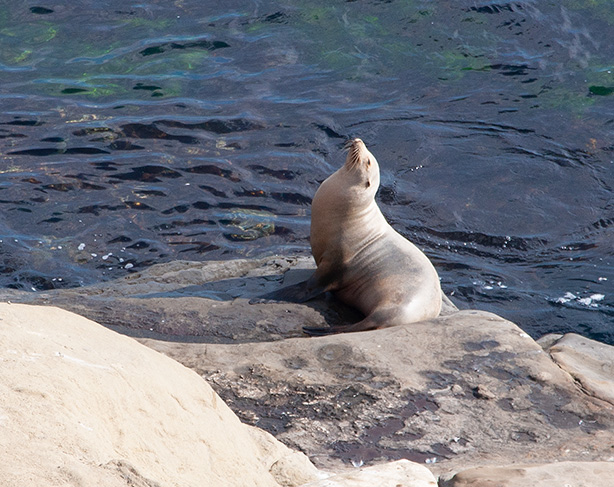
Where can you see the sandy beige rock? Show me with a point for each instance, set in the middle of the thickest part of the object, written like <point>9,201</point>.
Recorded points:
<point>564,474</point>
<point>465,389</point>
<point>82,405</point>
<point>401,473</point>
<point>591,363</point>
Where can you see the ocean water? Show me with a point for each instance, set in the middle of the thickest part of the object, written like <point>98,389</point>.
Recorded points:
<point>140,133</point>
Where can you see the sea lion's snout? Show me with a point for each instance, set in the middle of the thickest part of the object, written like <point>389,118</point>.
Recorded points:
<point>351,143</point>
<point>358,154</point>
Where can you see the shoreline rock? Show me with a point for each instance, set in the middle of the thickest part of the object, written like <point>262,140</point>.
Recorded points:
<point>82,405</point>
<point>464,391</point>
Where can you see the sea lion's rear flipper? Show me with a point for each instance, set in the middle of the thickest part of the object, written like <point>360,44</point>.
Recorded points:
<point>364,325</point>
<point>295,293</point>
<point>333,330</point>
<point>382,318</point>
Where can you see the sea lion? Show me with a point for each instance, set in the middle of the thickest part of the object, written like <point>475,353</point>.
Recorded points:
<point>360,258</point>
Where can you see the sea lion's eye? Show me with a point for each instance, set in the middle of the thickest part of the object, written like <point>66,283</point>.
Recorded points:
<point>367,184</point>
<point>368,162</point>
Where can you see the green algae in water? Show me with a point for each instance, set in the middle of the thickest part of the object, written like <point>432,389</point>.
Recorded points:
<point>23,56</point>
<point>601,90</point>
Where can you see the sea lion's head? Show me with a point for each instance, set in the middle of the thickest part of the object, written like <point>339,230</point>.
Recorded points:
<point>362,165</point>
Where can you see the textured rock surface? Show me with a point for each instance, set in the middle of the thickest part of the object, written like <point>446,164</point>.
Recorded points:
<point>564,474</point>
<point>82,405</point>
<point>589,362</point>
<point>466,389</point>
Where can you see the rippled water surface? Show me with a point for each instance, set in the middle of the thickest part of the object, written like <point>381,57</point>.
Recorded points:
<point>138,133</point>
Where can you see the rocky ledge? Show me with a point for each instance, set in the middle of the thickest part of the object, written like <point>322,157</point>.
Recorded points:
<point>468,397</point>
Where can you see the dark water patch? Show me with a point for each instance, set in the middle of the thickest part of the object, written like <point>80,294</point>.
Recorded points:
<point>64,187</point>
<point>124,145</point>
<point>216,126</point>
<point>176,209</point>
<point>41,10</point>
<point>212,169</point>
<point>281,174</point>
<point>197,247</point>
<point>496,241</point>
<point>140,245</point>
<point>24,123</point>
<point>496,8</point>
<point>149,174</point>
<point>258,193</point>
<point>150,131</point>
<point>213,191</point>
<point>331,132</point>
<point>48,151</point>
<point>276,18</point>
<point>505,69</point>
<point>141,86</point>
<point>601,90</point>
<point>105,166</point>
<point>92,131</point>
<point>602,223</point>
<point>204,44</point>
<point>9,135</point>
<point>75,91</point>
<point>120,239</point>
<point>97,210</point>
<point>201,205</point>
<point>85,150</point>
<point>164,227</point>
<point>292,198</point>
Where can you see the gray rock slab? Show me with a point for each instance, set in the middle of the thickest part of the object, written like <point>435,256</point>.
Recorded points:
<point>195,301</point>
<point>206,302</point>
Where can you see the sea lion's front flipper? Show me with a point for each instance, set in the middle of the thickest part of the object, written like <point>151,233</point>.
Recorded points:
<point>295,293</point>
